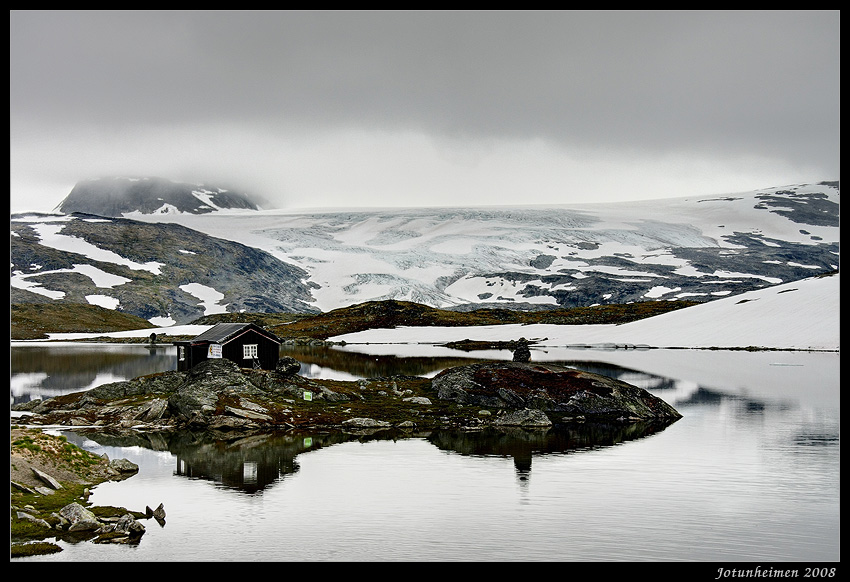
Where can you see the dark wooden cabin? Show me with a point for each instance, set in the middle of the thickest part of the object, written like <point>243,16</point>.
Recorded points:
<point>247,344</point>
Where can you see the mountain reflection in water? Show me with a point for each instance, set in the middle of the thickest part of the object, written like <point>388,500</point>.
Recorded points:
<point>256,462</point>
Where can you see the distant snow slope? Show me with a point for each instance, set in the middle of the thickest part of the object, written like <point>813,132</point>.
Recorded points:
<point>688,248</point>
<point>799,315</point>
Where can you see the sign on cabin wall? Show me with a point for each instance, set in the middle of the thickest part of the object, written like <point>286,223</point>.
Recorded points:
<point>214,351</point>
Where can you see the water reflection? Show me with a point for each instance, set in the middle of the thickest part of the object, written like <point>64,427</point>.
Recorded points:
<point>360,365</point>
<point>45,371</point>
<point>253,463</point>
<point>523,445</point>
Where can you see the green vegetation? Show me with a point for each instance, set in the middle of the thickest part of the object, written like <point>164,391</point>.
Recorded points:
<point>33,549</point>
<point>31,321</point>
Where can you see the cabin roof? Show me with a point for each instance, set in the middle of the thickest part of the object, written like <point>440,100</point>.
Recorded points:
<point>224,332</point>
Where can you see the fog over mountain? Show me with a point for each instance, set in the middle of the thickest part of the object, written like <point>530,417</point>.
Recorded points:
<point>116,196</point>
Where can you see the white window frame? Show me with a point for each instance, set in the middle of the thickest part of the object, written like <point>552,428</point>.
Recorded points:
<point>181,353</point>
<point>249,351</point>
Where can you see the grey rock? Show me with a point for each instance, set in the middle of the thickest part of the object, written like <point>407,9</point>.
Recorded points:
<point>22,487</point>
<point>129,525</point>
<point>158,513</point>
<point>27,406</point>
<point>249,414</point>
<point>47,479</point>
<point>527,417</point>
<point>123,466</point>
<point>332,396</point>
<point>164,383</point>
<point>155,411</point>
<point>80,518</point>
<point>417,400</point>
<point>365,423</point>
<point>31,518</point>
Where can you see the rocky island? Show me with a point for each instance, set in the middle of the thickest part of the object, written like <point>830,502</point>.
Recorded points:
<point>219,395</point>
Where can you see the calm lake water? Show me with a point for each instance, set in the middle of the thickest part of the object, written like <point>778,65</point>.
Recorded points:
<point>751,473</point>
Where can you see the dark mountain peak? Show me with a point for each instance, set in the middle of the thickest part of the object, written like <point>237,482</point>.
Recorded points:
<point>117,196</point>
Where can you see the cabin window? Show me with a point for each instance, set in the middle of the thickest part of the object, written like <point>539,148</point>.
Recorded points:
<point>181,353</point>
<point>249,351</point>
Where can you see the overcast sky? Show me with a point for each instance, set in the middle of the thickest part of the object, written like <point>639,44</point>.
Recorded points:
<point>347,109</point>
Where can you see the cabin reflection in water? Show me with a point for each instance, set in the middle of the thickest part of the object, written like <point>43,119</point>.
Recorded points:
<point>259,461</point>
<point>248,466</point>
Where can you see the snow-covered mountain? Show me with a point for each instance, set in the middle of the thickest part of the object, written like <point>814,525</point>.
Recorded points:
<point>701,248</point>
<point>698,248</point>
<point>116,196</point>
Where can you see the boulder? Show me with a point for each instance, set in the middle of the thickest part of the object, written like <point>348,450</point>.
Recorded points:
<point>417,400</point>
<point>49,480</point>
<point>205,383</point>
<point>79,518</point>
<point>287,366</point>
<point>31,518</point>
<point>559,391</point>
<point>158,513</point>
<point>126,525</point>
<point>155,411</point>
<point>123,466</point>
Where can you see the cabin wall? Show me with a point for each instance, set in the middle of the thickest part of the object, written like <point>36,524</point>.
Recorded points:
<point>193,355</point>
<point>268,352</point>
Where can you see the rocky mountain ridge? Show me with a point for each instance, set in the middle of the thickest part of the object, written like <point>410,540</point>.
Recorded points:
<point>164,273</point>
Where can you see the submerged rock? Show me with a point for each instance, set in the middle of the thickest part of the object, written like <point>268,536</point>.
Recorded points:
<point>559,391</point>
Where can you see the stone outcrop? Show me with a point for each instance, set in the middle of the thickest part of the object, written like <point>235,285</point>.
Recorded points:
<point>558,391</point>
<point>76,518</point>
<point>206,384</point>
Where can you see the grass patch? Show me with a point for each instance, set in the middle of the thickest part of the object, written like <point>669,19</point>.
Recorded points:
<point>35,320</point>
<point>33,549</point>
